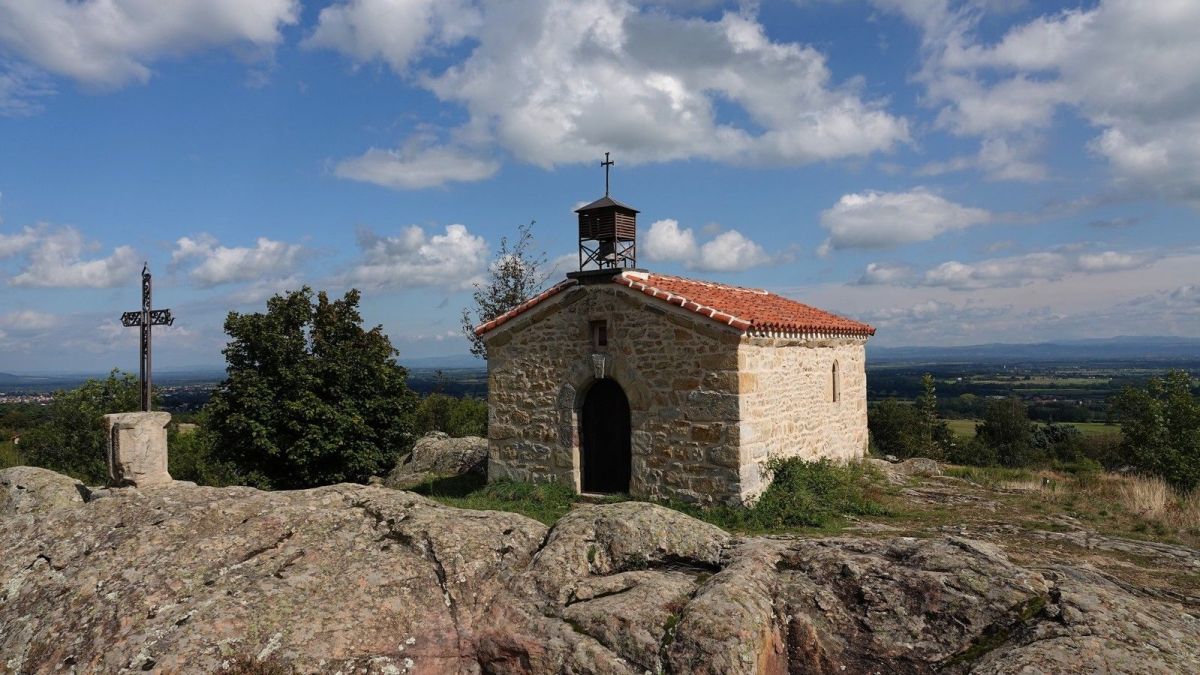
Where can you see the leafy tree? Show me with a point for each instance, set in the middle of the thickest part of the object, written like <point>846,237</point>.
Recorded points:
<point>514,276</point>
<point>895,428</point>
<point>71,437</point>
<point>310,397</point>
<point>935,435</point>
<point>455,416</point>
<point>1061,442</point>
<point>191,456</point>
<point>1161,425</point>
<point>973,451</point>
<point>1007,431</point>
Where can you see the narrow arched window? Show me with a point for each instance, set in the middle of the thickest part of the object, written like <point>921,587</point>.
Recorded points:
<point>836,383</point>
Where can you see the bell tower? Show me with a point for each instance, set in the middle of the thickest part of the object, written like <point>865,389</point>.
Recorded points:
<point>607,232</point>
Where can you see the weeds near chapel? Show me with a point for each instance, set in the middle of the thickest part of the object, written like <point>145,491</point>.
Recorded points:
<point>802,494</point>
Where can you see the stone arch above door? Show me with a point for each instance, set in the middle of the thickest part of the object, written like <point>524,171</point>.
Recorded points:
<point>598,367</point>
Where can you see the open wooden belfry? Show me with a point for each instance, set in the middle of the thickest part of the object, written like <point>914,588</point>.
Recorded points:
<point>623,380</point>
<point>607,231</point>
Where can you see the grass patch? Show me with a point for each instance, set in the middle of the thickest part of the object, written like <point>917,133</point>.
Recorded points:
<point>819,495</point>
<point>966,428</point>
<point>990,476</point>
<point>9,456</point>
<point>545,502</point>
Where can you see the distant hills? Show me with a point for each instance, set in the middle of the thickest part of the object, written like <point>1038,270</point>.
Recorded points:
<point>38,382</point>
<point>1122,348</point>
<point>451,362</point>
<point>9,379</point>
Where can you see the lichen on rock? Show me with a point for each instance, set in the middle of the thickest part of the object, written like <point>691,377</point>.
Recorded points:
<point>355,578</point>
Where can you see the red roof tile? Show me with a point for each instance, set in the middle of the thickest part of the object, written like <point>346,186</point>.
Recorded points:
<point>749,310</point>
<point>524,306</point>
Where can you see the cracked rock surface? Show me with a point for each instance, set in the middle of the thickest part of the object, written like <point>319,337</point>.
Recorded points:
<point>363,579</point>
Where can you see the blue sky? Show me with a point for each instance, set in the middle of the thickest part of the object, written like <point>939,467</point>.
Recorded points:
<point>952,171</point>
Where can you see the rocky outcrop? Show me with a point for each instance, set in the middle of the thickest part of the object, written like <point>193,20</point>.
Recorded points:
<point>438,455</point>
<point>27,489</point>
<point>355,578</point>
<point>899,471</point>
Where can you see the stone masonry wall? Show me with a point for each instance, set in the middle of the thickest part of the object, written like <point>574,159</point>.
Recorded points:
<point>677,369</point>
<point>787,406</point>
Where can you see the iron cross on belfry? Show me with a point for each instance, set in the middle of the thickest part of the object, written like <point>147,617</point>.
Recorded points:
<point>606,163</point>
<point>146,319</point>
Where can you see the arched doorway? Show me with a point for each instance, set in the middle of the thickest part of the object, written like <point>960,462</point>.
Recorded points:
<point>605,454</point>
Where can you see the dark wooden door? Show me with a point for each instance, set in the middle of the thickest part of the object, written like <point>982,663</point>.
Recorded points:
<point>605,437</point>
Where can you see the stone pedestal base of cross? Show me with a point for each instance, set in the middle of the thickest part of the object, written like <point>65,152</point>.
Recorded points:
<point>137,449</point>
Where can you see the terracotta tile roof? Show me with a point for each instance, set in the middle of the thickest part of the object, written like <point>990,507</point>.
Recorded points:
<point>749,310</point>
<point>524,306</point>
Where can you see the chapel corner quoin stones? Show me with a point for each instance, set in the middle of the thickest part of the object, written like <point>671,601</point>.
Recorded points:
<point>622,380</point>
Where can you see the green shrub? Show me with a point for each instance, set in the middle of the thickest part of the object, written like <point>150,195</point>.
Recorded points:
<point>70,439</point>
<point>1007,431</point>
<point>817,494</point>
<point>1161,426</point>
<point>973,451</point>
<point>9,455</point>
<point>1104,449</point>
<point>311,397</point>
<point>455,416</point>
<point>1059,442</point>
<point>190,457</point>
<point>813,494</point>
<point>895,428</point>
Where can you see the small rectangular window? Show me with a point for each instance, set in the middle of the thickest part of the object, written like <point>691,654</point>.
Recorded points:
<point>599,334</point>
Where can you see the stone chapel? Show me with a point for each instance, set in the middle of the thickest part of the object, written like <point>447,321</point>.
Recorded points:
<point>621,380</point>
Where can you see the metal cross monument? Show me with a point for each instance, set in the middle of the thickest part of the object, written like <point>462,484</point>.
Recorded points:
<point>145,319</point>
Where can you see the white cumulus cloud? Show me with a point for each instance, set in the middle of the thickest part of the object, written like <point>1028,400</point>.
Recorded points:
<point>19,242</point>
<point>1129,67</point>
<point>731,251</point>
<point>453,259</point>
<point>559,81</point>
<point>1022,269</point>
<point>887,219</point>
<point>416,167</point>
<point>214,264</point>
<point>56,259</point>
<point>886,274</point>
<point>1013,270</point>
<point>109,43</point>
<point>28,320</point>
<point>393,31</point>
<point>728,251</point>
<point>665,241</point>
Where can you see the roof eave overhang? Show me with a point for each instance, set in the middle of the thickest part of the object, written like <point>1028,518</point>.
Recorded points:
<point>514,316</point>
